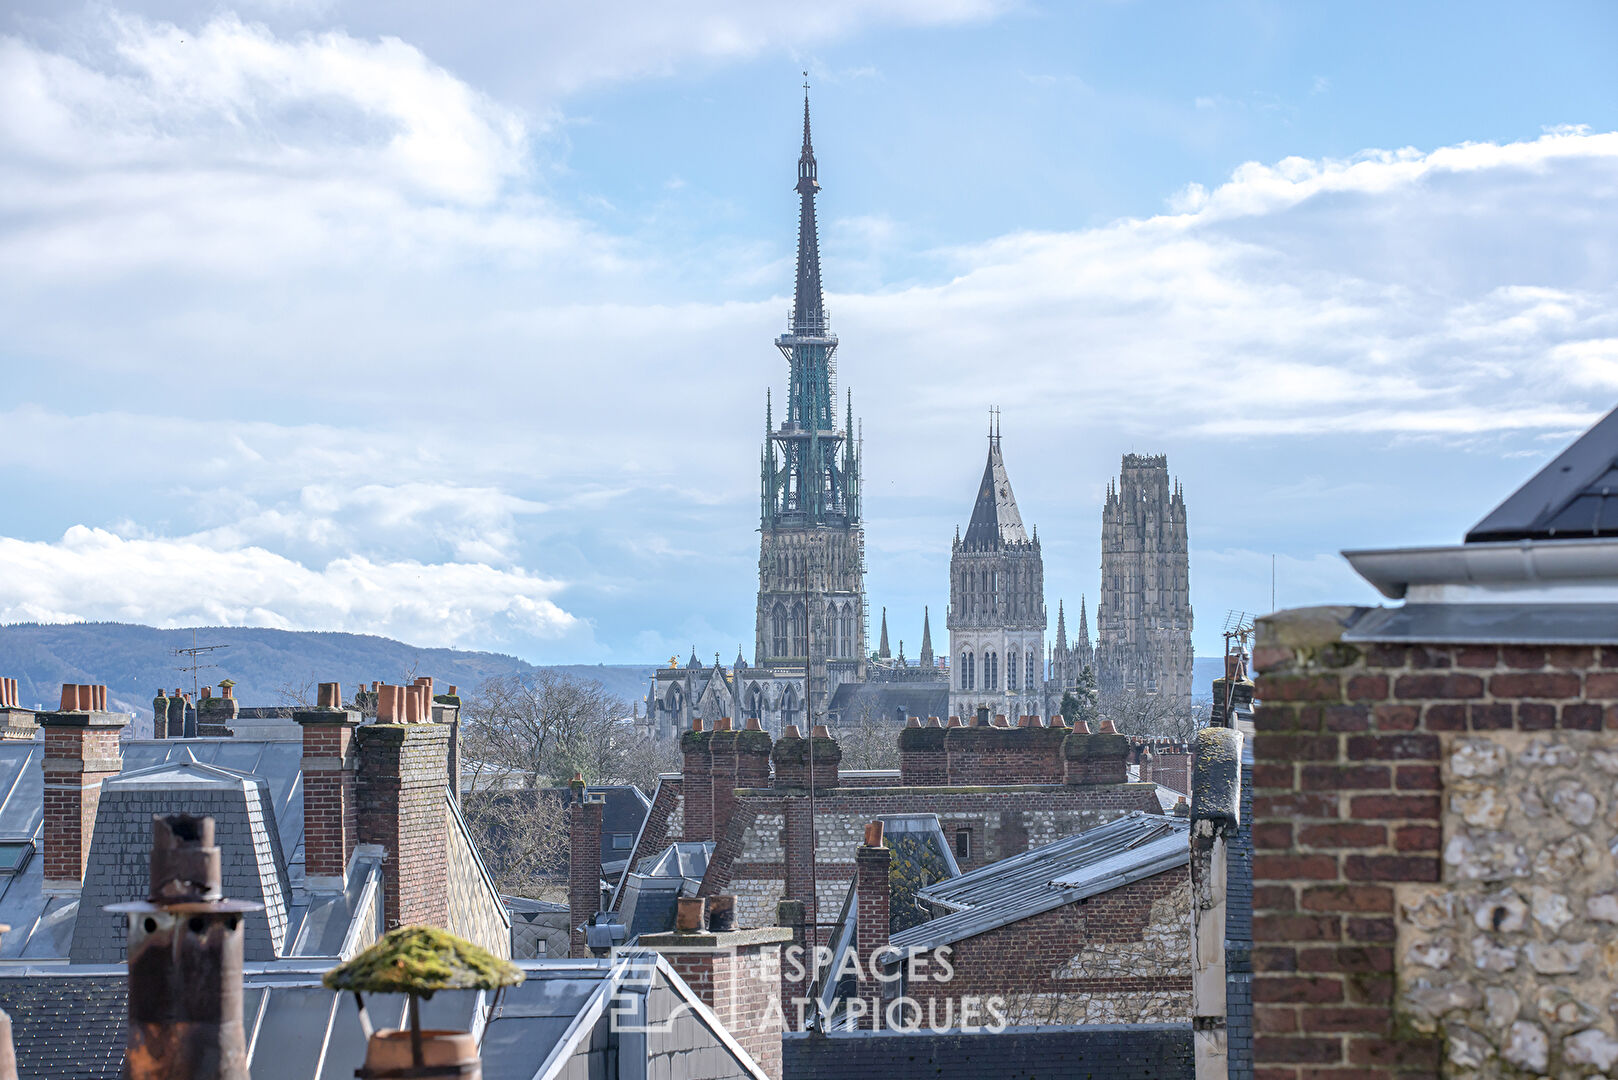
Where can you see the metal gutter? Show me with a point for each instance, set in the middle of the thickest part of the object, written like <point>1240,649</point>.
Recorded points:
<point>1395,571</point>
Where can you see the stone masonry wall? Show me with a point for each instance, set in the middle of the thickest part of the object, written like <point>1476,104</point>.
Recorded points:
<point>1118,957</point>
<point>1434,883</point>
<point>764,852</point>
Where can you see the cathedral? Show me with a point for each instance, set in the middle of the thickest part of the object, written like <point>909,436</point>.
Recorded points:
<point>810,659</point>
<point>1143,618</point>
<point>809,624</point>
<point>996,605</point>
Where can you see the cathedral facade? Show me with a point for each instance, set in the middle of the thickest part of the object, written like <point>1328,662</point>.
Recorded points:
<point>996,614</point>
<point>1143,618</point>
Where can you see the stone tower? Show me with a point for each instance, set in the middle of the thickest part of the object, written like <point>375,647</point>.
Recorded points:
<point>996,613</point>
<point>811,564</point>
<point>1143,619</point>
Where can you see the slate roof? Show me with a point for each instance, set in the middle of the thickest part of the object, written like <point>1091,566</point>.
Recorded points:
<point>651,891</point>
<point>995,520</point>
<point>248,785</point>
<point>852,702</point>
<point>72,1026</point>
<point>1124,850</point>
<point>1089,1052</point>
<point>253,865</point>
<point>1575,496</point>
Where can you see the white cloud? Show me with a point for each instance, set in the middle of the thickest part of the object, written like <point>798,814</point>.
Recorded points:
<point>95,574</point>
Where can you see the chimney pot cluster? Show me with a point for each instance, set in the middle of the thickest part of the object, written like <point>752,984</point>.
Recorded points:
<point>8,694</point>
<point>330,696</point>
<point>82,697</point>
<point>405,704</point>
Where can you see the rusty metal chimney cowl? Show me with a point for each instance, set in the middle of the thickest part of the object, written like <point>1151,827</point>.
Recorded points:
<point>185,962</point>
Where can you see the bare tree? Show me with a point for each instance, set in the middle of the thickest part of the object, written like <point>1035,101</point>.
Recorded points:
<point>522,836</point>
<point>537,729</point>
<point>640,757</point>
<point>1152,715</point>
<point>868,741</point>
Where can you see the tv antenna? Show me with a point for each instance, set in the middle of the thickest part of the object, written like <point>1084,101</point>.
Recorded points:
<point>196,654</point>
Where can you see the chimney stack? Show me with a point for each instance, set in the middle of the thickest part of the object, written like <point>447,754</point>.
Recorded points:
<point>16,722</point>
<point>696,782</point>
<point>584,863</point>
<point>216,714</point>
<point>330,804</point>
<point>81,750</point>
<point>872,861</point>
<point>185,962</point>
<point>400,790</point>
<point>722,755</point>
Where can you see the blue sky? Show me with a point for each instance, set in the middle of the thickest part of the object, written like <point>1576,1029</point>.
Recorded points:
<point>456,327</point>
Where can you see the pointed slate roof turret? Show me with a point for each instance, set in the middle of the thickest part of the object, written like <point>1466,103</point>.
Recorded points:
<point>1574,497</point>
<point>926,640</point>
<point>995,520</point>
<point>882,648</point>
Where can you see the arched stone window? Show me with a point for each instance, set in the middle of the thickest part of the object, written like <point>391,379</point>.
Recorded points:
<point>800,631</point>
<point>1011,671</point>
<point>778,631</point>
<point>968,671</point>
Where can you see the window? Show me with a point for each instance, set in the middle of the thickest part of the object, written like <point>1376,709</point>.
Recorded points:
<point>963,844</point>
<point>1033,671</point>
<point>1011,671</point>
<point>14,855</point>
<point>969,670</point>
<point>622,841</point>
<point>778,631</point>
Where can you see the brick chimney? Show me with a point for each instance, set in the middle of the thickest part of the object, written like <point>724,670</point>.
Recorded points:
<point>16,722</point>
<point>216,714</point>
<point>872,861</point>
<point>1096,759</point>
<point>696,782</point>
<point>737,974</point>
<point>753,747</point>
<point>81,750</point>
<point>922,761</point>
<point>330,805</point>
<point>722,755</point>
<point>400,789</point>
<point>447,711</point>
<point>584,863</point>
<point>791,758</point>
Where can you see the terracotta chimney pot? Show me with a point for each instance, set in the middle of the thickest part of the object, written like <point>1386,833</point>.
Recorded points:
<point>873,833</point>
<point>791,732</point>
<point>753,724</point>
<point>1108,727</point>
<point>819,731</point>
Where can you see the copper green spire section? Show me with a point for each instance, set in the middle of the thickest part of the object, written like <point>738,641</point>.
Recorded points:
<point>817,479</point>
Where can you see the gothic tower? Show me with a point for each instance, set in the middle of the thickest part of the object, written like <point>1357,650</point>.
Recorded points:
<point>1143,619</point>
<point>996,613</point>
<point>811,565</point>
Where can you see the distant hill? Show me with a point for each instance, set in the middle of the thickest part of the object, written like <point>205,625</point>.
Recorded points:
<point>134,661</point>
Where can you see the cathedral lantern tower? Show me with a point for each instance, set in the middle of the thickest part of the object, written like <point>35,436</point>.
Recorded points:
<point>811,580</point>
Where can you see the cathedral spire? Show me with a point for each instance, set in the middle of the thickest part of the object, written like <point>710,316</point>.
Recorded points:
<point>882,648</point>
<point>995,520</point>
<point>808,305</point>
<point>1084,626</point>
<point>926,640</point>
<point>1061,628</point>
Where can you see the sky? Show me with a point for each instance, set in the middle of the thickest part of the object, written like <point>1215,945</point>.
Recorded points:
<point>454,323</point>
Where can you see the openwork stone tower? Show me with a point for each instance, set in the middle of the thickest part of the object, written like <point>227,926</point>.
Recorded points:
<point>1143,619</point>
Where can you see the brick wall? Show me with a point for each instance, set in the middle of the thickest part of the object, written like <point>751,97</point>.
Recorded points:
<point>1119,956</point>
<point>1431,860</point>
<point>400,788</point>
<point>664,824</point>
